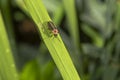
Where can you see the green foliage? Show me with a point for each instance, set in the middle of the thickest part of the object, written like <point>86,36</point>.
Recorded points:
<point>72,20</point>
<point>38,71</point>
<point>53,43</point>
<point>90,30</point>
<point>7,65</point>
<point>32,69</point>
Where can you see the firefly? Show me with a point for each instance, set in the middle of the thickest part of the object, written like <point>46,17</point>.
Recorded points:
<point>53,28</point>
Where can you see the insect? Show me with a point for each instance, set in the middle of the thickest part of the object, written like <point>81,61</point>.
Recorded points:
<point>53,28</point>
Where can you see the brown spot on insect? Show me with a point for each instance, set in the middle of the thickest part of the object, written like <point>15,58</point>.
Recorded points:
<point>52,28</point>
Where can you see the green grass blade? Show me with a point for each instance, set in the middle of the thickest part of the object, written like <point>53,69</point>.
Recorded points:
<point>73,22</point>
<point>7,66</point>
<point>21,4</point>
<point>54,44</point>
<point>7,17</point>
<point>117,17</point>
<point>97,38</point>
<point>58,15</point>
<point>9,25</point>
<point>74,31</point>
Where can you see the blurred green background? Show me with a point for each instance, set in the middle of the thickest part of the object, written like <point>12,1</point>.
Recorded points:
<point>91,33</point>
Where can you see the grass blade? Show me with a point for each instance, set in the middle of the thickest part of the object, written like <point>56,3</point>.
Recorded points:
<point>72,19</point>
<point>7,66</point>
<point>54,44</point>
